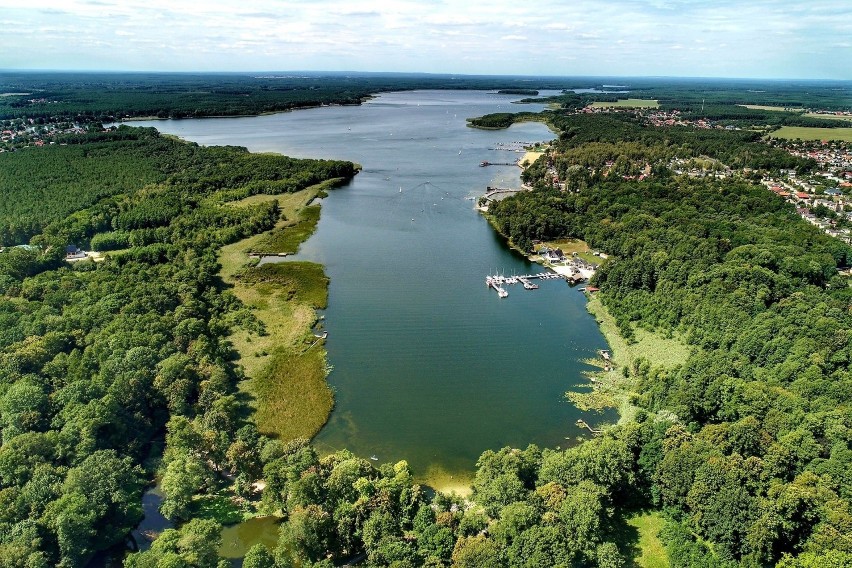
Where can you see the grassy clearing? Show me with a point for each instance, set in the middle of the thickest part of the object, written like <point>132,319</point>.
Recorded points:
<point>659,350</point>
<point>611,389</point>
<point>570,246</point>
<point>652,551</point>
<point>285,365</point>
<point>293,397</point>
<point>807,133</point>
<point>220,508</point>
<point>627,103</point>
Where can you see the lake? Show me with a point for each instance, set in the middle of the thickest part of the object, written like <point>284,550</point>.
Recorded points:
<point>429,365</point>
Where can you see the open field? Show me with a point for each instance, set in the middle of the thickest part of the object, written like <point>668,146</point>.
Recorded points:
<point>778,108</point>
<point>285,364</point>
<point>628,103</point>
<point>657,349</point>
<point>805,133</point>
<point>828,116</point>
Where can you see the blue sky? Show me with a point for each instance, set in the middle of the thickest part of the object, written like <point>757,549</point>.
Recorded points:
<point>711,38</point>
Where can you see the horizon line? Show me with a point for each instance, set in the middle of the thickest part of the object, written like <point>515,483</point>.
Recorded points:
<point>425,73</point>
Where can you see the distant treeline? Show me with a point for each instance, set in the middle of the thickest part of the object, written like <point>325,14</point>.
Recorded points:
<point>529,92</point>
<point>829,95</point>
<point>110,96</point>
<point>737,115</point>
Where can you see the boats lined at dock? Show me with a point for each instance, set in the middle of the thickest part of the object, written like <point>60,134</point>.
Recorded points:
<point>497,281</point>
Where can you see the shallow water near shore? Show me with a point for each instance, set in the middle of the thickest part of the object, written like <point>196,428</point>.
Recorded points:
<point>430,366</point>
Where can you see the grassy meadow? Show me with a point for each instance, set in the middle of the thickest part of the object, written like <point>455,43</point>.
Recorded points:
<point>611,389</point>
<point>772,108</point>
<point>285,365</point>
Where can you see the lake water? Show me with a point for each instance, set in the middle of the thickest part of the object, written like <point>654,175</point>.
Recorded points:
<point>430,366</point>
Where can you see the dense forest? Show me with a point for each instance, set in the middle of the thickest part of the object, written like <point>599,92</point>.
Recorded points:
<point>100,361</point>
<point>587,143</point>
<point>92,175</point>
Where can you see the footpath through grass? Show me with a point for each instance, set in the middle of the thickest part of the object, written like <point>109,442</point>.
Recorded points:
<point>285,364</point>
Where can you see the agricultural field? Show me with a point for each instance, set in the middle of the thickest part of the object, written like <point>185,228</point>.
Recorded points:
<point>807,133</point>
<point>627,103</point>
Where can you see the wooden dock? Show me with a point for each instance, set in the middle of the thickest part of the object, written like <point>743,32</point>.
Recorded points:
<point>582,424</point>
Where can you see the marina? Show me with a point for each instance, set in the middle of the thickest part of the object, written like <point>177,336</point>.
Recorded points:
<point>497,282</point>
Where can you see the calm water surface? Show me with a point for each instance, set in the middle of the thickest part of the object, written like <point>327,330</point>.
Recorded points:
<point>430,366</point>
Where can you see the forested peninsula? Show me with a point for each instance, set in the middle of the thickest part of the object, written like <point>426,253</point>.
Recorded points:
<point>157,359</point>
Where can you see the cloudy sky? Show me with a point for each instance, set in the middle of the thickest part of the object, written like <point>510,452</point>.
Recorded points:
<point>712,38</point>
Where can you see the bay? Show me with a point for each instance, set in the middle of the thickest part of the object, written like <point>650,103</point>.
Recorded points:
<point>429,365</point>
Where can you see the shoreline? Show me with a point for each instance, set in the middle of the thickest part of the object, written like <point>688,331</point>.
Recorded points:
<point>285,298</point>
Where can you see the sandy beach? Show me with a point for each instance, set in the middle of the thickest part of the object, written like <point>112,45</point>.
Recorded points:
<point>530,157</point>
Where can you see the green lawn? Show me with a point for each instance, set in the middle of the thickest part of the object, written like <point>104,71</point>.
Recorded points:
<point>627,103</point>
<point>806,133</point>
<point>570,246</point>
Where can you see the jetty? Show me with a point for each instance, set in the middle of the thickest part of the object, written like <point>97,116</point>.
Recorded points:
<point>582,424</point>
<point>487,163</point>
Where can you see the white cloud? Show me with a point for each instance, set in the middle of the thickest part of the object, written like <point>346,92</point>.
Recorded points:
<point>761,38</point>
